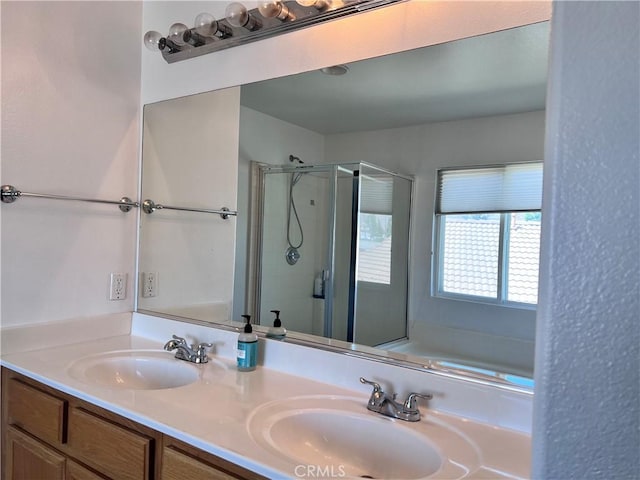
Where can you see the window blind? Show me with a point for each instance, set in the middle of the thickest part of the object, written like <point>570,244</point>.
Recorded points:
<point>376,194</point>
<point>507,188</point>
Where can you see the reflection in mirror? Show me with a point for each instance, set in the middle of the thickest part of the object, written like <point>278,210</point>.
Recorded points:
<point>332,250</point>
<point>469,103</point>
<point>181,272</point>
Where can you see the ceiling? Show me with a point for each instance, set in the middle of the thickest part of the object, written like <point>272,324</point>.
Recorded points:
<point>499,73</point>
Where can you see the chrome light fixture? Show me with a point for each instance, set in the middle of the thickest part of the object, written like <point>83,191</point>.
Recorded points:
<point>238,16</point>
<point>276,9</point>
<point>240,26</point>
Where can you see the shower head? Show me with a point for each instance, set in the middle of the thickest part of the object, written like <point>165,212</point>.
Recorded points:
<point>295,159</point>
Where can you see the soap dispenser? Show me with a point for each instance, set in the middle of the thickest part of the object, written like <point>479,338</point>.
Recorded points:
<point>277,332</point>
<point>247,353</point>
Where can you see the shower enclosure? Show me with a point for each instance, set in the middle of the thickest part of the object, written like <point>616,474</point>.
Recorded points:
<point>330,250</point>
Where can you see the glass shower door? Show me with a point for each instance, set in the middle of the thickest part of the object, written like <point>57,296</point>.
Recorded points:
<point>382,270</point>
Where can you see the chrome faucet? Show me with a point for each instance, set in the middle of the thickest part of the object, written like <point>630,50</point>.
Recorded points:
<point>194,353</point>
<point>385,404</point>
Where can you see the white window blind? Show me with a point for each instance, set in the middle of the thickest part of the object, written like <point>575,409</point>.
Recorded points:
<point>376,194</point>
<point>508,188</point>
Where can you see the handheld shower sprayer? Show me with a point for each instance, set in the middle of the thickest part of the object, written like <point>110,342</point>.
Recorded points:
<point>292,255</point>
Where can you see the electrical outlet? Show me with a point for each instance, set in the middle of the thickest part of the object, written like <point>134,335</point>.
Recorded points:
<point>149,284</point>
<point>118,286</point>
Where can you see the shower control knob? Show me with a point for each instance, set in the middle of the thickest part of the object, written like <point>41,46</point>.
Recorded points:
<point>292,255</point>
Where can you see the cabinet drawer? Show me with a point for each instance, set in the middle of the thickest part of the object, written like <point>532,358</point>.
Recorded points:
<point>110,449</point>
<point>78,472</point>
<point>180,461</point>
<point>36,412</point>
<point>177,465</point>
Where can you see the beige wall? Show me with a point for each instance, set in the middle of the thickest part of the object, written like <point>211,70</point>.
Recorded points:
<point>70,109</point>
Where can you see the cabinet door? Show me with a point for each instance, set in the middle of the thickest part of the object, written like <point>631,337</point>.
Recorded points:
<point>76,471</point>
<point>177,465</point>
<point>109,448</point>
<point>28,459</point>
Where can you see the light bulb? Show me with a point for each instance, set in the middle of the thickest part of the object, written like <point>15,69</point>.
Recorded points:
<point>275,8</point>
<point>206,25</point>
<point>152,40</point>
<point>238,16</point>
<point>176,33</point>
<point>318,4</point>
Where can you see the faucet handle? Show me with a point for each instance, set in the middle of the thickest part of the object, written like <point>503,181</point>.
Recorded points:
<point>377,397</point>
<point>376,386</point>
<point>179,339</point>
<point>202,347</point>
<point>410,403</point>
<point>201,352</point>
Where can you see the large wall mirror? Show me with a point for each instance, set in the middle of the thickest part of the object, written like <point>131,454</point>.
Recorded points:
<point>334,174</point>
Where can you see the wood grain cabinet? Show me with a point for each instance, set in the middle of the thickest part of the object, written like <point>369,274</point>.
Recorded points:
<point>27,458</point>
<point>108,447</point>
<point>49,435</point>
<point>181,461</point>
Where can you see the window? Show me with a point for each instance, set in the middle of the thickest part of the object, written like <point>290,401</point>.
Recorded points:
<point>374,248</point>
<point>376,216</point>
<point>488,233</point>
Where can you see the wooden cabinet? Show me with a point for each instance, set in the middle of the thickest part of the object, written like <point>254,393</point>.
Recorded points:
<point>50,435</point>
<point>107,447</point>
<point>27,458</point>
<point>181,461</point>
<point>177,465</point>
<point>36,412</point>
<point>75,471</point>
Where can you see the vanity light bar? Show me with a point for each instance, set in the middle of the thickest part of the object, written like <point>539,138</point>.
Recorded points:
<point>241,26</point>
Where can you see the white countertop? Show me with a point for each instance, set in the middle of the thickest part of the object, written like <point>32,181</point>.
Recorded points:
<point>212,413</point>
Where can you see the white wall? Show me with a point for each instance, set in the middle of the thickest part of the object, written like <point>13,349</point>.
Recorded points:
<point>586,407</point>
<point>70,108</point>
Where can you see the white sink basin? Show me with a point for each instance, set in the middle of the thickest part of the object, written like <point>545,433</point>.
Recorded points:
<point>356,444</point>
<point>340,438</point>
<point>135,370</point>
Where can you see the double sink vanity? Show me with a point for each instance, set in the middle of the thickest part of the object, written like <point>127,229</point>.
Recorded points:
<point>82,404</point>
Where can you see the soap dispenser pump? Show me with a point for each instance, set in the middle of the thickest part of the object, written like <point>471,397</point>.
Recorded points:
<point>247,353</point>
<point>277,332</point>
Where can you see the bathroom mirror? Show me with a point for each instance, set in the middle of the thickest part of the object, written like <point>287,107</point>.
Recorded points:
<point>472,102</point>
